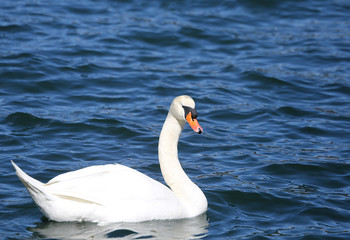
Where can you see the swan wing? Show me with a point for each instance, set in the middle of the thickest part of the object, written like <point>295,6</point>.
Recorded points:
<point>108,185</point>
<point>107,193</point>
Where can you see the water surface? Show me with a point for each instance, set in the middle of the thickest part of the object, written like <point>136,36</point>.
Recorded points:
<point>90,83</point>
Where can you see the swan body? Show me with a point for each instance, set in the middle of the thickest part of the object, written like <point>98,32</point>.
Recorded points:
<point>116,193</point>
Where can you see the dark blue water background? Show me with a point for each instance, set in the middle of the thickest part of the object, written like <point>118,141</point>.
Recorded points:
<point>90,82</point>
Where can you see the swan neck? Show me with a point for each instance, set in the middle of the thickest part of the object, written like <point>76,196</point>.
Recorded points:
<point>183,188</point>
<point>168,153</point>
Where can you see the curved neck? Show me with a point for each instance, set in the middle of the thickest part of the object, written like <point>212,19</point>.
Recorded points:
<point>175,177</point>
<point>167,152</point>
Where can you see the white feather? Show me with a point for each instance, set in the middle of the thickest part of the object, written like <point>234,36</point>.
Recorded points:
<point>116,193</point>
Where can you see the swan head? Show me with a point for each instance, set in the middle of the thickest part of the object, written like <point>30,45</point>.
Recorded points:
<point>183,109</point>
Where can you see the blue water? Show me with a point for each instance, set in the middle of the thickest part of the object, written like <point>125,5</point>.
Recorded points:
<point>90,82</point>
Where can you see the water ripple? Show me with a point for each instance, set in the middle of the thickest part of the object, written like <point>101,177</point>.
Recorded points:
<point>87,84</point>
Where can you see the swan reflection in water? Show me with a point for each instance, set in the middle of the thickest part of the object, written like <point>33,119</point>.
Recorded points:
<point>191,228</point>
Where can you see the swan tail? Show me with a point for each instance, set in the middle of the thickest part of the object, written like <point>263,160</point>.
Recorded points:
<point>30,183</point>
<point>46,199</point>
<point>35,188</point>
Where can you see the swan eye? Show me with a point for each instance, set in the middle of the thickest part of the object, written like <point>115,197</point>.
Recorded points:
<point>190,110</point>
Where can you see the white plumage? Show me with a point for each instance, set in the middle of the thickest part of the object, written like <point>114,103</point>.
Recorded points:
<point>116,193</point>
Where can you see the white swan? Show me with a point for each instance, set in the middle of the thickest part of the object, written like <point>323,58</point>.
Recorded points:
<point>116,193</point>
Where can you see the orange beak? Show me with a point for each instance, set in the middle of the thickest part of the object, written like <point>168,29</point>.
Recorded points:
<point>194,123</point>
